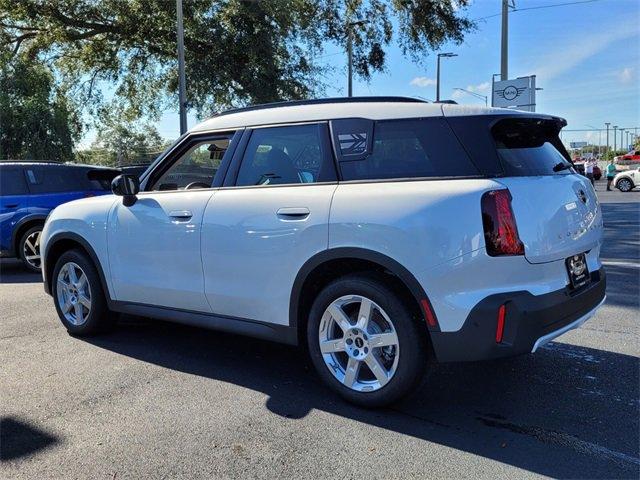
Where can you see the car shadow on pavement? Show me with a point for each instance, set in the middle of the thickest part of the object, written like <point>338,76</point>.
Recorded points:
<point>19,439</point>
<point>13,271</point>
<point>564,412</point>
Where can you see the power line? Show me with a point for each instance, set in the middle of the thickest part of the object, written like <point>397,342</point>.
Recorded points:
<point>538,8</point>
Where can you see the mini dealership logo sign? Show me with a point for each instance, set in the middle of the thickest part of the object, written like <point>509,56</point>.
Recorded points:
<point>517,93</point>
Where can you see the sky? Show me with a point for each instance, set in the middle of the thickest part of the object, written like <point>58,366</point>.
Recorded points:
<point>586,57</point>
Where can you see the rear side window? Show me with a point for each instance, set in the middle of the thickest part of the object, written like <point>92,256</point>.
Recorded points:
<point>286,155</point>
<point>530,147</point>
<point>411,148</point>
<point>12,181</point>
<point>59,178</point>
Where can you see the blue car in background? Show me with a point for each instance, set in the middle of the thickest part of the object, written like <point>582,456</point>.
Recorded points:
<point>30,190</point>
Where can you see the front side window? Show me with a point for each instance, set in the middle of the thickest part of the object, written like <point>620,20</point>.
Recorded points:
<point>286,155</point>
<point>12,181</point>
<point>57,179</point>
<point>410,148</point>
<point>195,168</point>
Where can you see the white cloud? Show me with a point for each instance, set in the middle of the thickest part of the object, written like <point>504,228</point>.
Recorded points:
<point>626,75</point>
<point>576,50</point>
<point>422,82</point>
<point>481,88</point>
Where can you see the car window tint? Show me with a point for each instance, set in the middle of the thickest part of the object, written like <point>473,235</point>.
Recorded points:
<point>196,168</point>
<point>409,149</point>
<point>12,181</point>
<point>285,155</point>
<point>57,178</point>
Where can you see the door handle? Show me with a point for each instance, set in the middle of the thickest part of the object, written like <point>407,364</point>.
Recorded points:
<point>293,213</point>
<point>181,214</point>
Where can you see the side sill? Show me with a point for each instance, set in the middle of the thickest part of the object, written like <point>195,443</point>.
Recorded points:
<point>241,326</point>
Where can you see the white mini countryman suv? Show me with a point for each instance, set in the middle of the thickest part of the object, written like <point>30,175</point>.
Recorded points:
<point>383,234</point>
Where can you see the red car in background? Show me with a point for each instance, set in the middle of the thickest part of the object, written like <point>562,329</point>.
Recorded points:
<point>631,158</point>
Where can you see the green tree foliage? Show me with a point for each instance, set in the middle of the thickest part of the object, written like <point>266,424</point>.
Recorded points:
<point>36,120</point>
<point>237,52</point>
<point>122,141</point>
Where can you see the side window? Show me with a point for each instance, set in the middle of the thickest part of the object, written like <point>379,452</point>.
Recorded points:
<point>287,155</point>
<point>409,149</point>
<point>195,168</point>
<point>12,181</point>
<point>56,179</point>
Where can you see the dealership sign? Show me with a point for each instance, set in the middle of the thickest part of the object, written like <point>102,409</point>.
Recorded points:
<point>518,93</point>
<point>578,144</point>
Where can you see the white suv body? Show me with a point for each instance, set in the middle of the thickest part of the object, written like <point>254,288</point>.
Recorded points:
<point>298,222</point>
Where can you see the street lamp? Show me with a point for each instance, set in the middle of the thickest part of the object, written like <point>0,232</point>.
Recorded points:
<point>621,130</point>
<point>607,124</point>
<point>350,26</point>
<point>446,55</point>
<point>615,138</point>
<point>477,95</point>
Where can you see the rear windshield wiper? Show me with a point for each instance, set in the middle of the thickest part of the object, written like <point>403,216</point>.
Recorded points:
<point>558,167</point>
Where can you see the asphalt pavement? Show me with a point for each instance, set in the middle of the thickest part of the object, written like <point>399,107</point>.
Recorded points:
<point>159,400</point>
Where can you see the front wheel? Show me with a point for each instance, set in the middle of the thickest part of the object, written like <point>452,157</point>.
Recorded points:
<point>78,295</point>
<point>29,248</point>
<point>364,341</point>
<point>624,185</point>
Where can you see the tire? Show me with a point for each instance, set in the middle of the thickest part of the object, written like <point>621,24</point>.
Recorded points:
<point>80,317</point>
<point>403,363</point>
<point>624,185</point>
<point>29,248</point>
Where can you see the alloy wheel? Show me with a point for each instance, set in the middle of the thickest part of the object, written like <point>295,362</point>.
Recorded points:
<point>73,293</point>
<point>31,249</point>
<point>359,343</point>
<point>624,185</point>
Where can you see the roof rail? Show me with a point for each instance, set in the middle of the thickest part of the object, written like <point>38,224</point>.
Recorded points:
<point>320,101</point>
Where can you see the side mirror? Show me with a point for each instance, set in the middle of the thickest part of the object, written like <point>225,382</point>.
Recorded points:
<point>126,186</point>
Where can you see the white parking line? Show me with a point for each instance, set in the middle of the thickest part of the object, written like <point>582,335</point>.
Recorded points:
<point>621,264</point>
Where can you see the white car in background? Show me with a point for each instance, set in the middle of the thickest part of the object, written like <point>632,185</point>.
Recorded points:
<point>627,180</point>
<point>384,234</point>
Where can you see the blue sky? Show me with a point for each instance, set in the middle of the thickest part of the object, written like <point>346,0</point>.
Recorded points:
<point>586,58</point>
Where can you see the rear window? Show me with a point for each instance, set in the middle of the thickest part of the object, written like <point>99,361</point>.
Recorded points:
<point>56,179</point>
<point>411,148</point>
<point>530,147</point>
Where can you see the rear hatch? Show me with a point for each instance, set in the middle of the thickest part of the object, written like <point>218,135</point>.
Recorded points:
<point>556,210</point>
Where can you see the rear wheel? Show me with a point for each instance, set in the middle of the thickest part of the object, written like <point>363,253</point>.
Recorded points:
<point>78,296</point>
<point>29,248</point>
<point>624,185</point>
<point>364,341</point>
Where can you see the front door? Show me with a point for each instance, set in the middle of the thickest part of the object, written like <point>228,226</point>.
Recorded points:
<point>259,231</point>
<point>154,245</point>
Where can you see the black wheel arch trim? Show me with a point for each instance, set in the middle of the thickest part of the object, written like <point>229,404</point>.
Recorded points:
<point>36,217</point>
<point>47,276</point>
<point>357,253</point>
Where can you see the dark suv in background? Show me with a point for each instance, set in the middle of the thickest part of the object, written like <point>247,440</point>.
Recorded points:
<point>30,190</point>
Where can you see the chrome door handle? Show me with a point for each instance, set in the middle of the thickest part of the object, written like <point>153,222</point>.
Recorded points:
<point>181,214</point>
<point>293,213</point>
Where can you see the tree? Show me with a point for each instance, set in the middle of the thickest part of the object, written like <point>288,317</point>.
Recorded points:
<point>122,141</point>
<point>237,52</point>
<point>36,119</point>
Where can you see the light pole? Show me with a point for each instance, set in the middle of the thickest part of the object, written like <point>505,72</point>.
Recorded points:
<point>446,55</point>
<point>504,44</point>
<point>615,138</point>
<point>350,26</point>
<point>621,130</point>
<point>477,95</point>
<point>607,124</point>
<point>182,94</point>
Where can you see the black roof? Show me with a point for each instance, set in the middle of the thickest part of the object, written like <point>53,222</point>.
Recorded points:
<point>320,101</point>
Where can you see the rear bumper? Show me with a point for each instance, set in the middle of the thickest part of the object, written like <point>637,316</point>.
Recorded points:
<point>530,322</point>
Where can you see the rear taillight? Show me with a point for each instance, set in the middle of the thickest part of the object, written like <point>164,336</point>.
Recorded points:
<point>500,230</point>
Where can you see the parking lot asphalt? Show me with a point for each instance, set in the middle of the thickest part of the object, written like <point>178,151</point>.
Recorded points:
<point>167,401</point>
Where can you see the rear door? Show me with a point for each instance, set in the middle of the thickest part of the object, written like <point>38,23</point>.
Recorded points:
<point>14,202</point>
<point>268,220</point>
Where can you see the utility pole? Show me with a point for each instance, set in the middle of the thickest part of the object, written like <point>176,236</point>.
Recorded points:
<point>504,55</point>
<point>350,26</point>
<point>182,93</point>
<point>615,138</point>
<point>607,151</point>
<point>621,130</point>
<point>446,55</point>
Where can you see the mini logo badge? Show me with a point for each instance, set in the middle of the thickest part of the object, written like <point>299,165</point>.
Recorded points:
<point>510,93</point>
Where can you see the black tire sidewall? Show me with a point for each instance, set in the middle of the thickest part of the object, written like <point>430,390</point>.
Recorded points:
<point>412,339</point>
<point>23,239</point>
<point>98,319</point>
